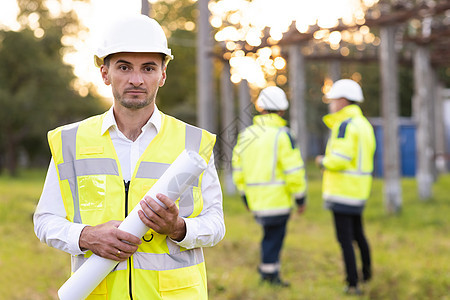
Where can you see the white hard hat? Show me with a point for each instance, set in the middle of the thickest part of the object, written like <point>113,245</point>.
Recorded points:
<point>137,33</point>
<point>272,98</point>
<point>346,88</point>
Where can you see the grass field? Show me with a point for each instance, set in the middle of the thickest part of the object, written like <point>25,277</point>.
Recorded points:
<point>411,251</point>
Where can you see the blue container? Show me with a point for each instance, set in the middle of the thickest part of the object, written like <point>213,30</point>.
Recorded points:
<point>407,137</point>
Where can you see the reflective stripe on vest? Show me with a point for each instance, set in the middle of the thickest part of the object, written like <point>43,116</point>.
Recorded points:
<point>72,167</point>
<point>153,261</point>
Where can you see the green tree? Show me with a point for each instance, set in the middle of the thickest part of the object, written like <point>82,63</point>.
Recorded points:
<point>36,90</point>
<point>178,96</point>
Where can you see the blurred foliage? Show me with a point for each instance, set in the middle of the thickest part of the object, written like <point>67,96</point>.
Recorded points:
<point>178,96</point>
<point>36,90</point>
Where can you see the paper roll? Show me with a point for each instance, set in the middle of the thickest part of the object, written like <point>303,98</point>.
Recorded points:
<point>176,179</point>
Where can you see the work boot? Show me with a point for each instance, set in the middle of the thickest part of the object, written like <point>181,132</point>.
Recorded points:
<point>353,290</point>
<point>273,279</point>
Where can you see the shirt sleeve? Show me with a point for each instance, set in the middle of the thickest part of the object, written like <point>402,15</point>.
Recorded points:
<point>208,228</point>
<point>50,223</point>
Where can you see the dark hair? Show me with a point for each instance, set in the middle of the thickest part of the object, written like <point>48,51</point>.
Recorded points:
<point>107,60</point>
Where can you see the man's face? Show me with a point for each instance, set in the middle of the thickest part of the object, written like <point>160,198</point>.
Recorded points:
<point>134,77</point>
<point>337,104</point>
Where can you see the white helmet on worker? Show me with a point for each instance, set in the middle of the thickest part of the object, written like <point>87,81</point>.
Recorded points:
<point>346,88</point>
<point>137,33</point>
<point>272,98</point>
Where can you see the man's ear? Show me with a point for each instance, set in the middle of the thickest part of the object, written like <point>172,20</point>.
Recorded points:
<point>162,81</point>
<point>104,71</point>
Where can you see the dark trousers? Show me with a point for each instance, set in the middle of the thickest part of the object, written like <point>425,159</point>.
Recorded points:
<point>274,231</point>
<point>272,242</point>
<point>349,228</point>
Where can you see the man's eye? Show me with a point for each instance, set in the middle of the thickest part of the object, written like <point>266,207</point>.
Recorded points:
<point>123,68</point>
<point>148,69</point>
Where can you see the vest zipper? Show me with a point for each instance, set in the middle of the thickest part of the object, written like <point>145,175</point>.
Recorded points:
<point>127,186</point>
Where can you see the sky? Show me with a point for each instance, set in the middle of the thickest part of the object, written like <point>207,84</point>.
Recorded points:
<point>94,17</point>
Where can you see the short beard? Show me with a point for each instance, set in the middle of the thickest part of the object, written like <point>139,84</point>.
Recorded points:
<point>131,104</point>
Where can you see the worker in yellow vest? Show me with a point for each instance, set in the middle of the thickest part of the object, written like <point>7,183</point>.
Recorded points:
<point>102,167</point>
<point>347,174</point>
<point>269,173</point>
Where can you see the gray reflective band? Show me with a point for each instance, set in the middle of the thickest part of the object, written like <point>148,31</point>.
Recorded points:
<point>266,183</point>
<point>68,141</point>
<point>78,260</point>
<point>341,155</point>
<point>299,195</point>
<point>193,138</point>
<point>357,173</point>
<point>176,259</point>
<point>275,153</point>
<point>88,166</point>
<point>269,268</point>
<point>173,248</point>
<point>71,168</point>
<point>293,170</point>
<point>272,212</point>
<point>344,200</point>
<point>151,170</point>
<point>164,261</point>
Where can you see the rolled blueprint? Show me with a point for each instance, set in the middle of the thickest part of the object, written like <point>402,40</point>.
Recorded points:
<point>176,179</point>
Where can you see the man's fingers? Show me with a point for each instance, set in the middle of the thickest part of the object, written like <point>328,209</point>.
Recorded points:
<point>128,238</point>
<point>164,199</point>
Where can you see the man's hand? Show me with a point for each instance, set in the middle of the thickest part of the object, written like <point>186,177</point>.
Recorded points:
<point>107,241</point>
<point>163,220</point>
<point>318,161</point>
<point>301,209</point>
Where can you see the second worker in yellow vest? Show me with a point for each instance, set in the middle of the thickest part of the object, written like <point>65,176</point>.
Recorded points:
<point>269,172</point>
<point>347,174</point>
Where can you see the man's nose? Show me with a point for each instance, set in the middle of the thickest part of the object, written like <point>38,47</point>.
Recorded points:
<point>136,78</point>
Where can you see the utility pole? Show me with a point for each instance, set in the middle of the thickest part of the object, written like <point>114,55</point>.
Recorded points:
<point>145,8</point>
<point>206,107</point>
<point>390,102</point>
<point>228,132</point>
<point>245,105</point>
<point>297,106</point>
<point>334,70</point>
<point>423,98</point>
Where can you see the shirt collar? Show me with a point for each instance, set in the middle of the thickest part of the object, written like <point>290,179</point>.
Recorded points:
<point>269,120</point>
<point>347,112</point>
<point>110,121</point>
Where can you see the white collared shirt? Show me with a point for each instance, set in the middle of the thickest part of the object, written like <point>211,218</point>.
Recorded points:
<point>52,227</point>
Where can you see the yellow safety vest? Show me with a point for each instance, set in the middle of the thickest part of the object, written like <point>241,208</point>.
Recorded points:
<point>268,167</point>
<point>93,192</point>
<point>348,161</point>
